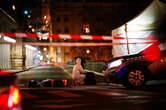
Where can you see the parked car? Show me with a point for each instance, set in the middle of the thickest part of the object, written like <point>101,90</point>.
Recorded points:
<point>10,96</point>
<point>135,70</point>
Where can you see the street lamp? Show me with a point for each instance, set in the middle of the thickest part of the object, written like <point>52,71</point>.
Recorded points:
<point>88,51</point>
<point>13,7</point>
<point>29,16</point>
<point>30,26</point>
<point>45,17</point>
<point>44,49</point>
<point>26,12</point>
<point>33,30</point>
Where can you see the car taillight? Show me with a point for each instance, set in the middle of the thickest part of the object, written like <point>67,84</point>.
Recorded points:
<point>3,101</point>
<point>14,97</point>
<point>64,82</point>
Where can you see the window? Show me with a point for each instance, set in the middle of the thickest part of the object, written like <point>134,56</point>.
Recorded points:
<point>66,30</point>
<point>58,19</point>
<point>66,19</point>
<point>86,28</point>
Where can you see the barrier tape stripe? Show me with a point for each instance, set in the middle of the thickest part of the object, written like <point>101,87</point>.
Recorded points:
<point>68,36</point>
<point>76,37</point>
<point>63,36</point>
<point>86,37</point>
<point>19,35</point>
<point>57,36</point>
<point>71,43</point>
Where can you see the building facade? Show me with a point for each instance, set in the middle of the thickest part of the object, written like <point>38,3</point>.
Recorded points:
<point>11,56</point>
<point>82,19</point>
<point>87,18</point>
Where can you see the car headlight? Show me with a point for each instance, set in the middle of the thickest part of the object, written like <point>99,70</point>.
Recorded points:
<point>115,63</point>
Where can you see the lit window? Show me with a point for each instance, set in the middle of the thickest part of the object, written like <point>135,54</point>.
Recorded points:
<point>86,28</point>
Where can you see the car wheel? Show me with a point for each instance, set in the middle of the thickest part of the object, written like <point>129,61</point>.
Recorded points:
<point>136,77</point>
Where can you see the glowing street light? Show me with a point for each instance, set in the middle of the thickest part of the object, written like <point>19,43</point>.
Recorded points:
<point>26,12</point>
<point>8,39</point>
<point>41,57</point>
<point>13,7</point>
<point>46,21</point>
<point>29,16</point>
<point>47,56</point>
<point>88,51</point>
<point>44,49</point>
<point>30,26</point>
<point>45,17</point>
<point>33,30</point>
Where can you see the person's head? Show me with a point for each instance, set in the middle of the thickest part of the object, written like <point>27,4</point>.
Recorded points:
<point>78,60</point>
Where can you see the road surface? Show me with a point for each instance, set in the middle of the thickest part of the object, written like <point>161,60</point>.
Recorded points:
<point>49,72</point>
<point>93,98</point>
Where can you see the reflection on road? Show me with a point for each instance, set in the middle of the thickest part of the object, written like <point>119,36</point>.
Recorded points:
<point>43,74</point>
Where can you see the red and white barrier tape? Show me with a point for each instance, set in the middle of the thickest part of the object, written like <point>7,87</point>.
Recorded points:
<point>59,36</point>
<point>72,43</point>
<point>67,36</point>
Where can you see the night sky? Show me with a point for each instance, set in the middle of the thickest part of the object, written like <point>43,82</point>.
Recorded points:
<point>22,5</point>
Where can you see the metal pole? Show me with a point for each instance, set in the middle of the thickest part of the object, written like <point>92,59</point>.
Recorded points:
<point>127,40</point>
